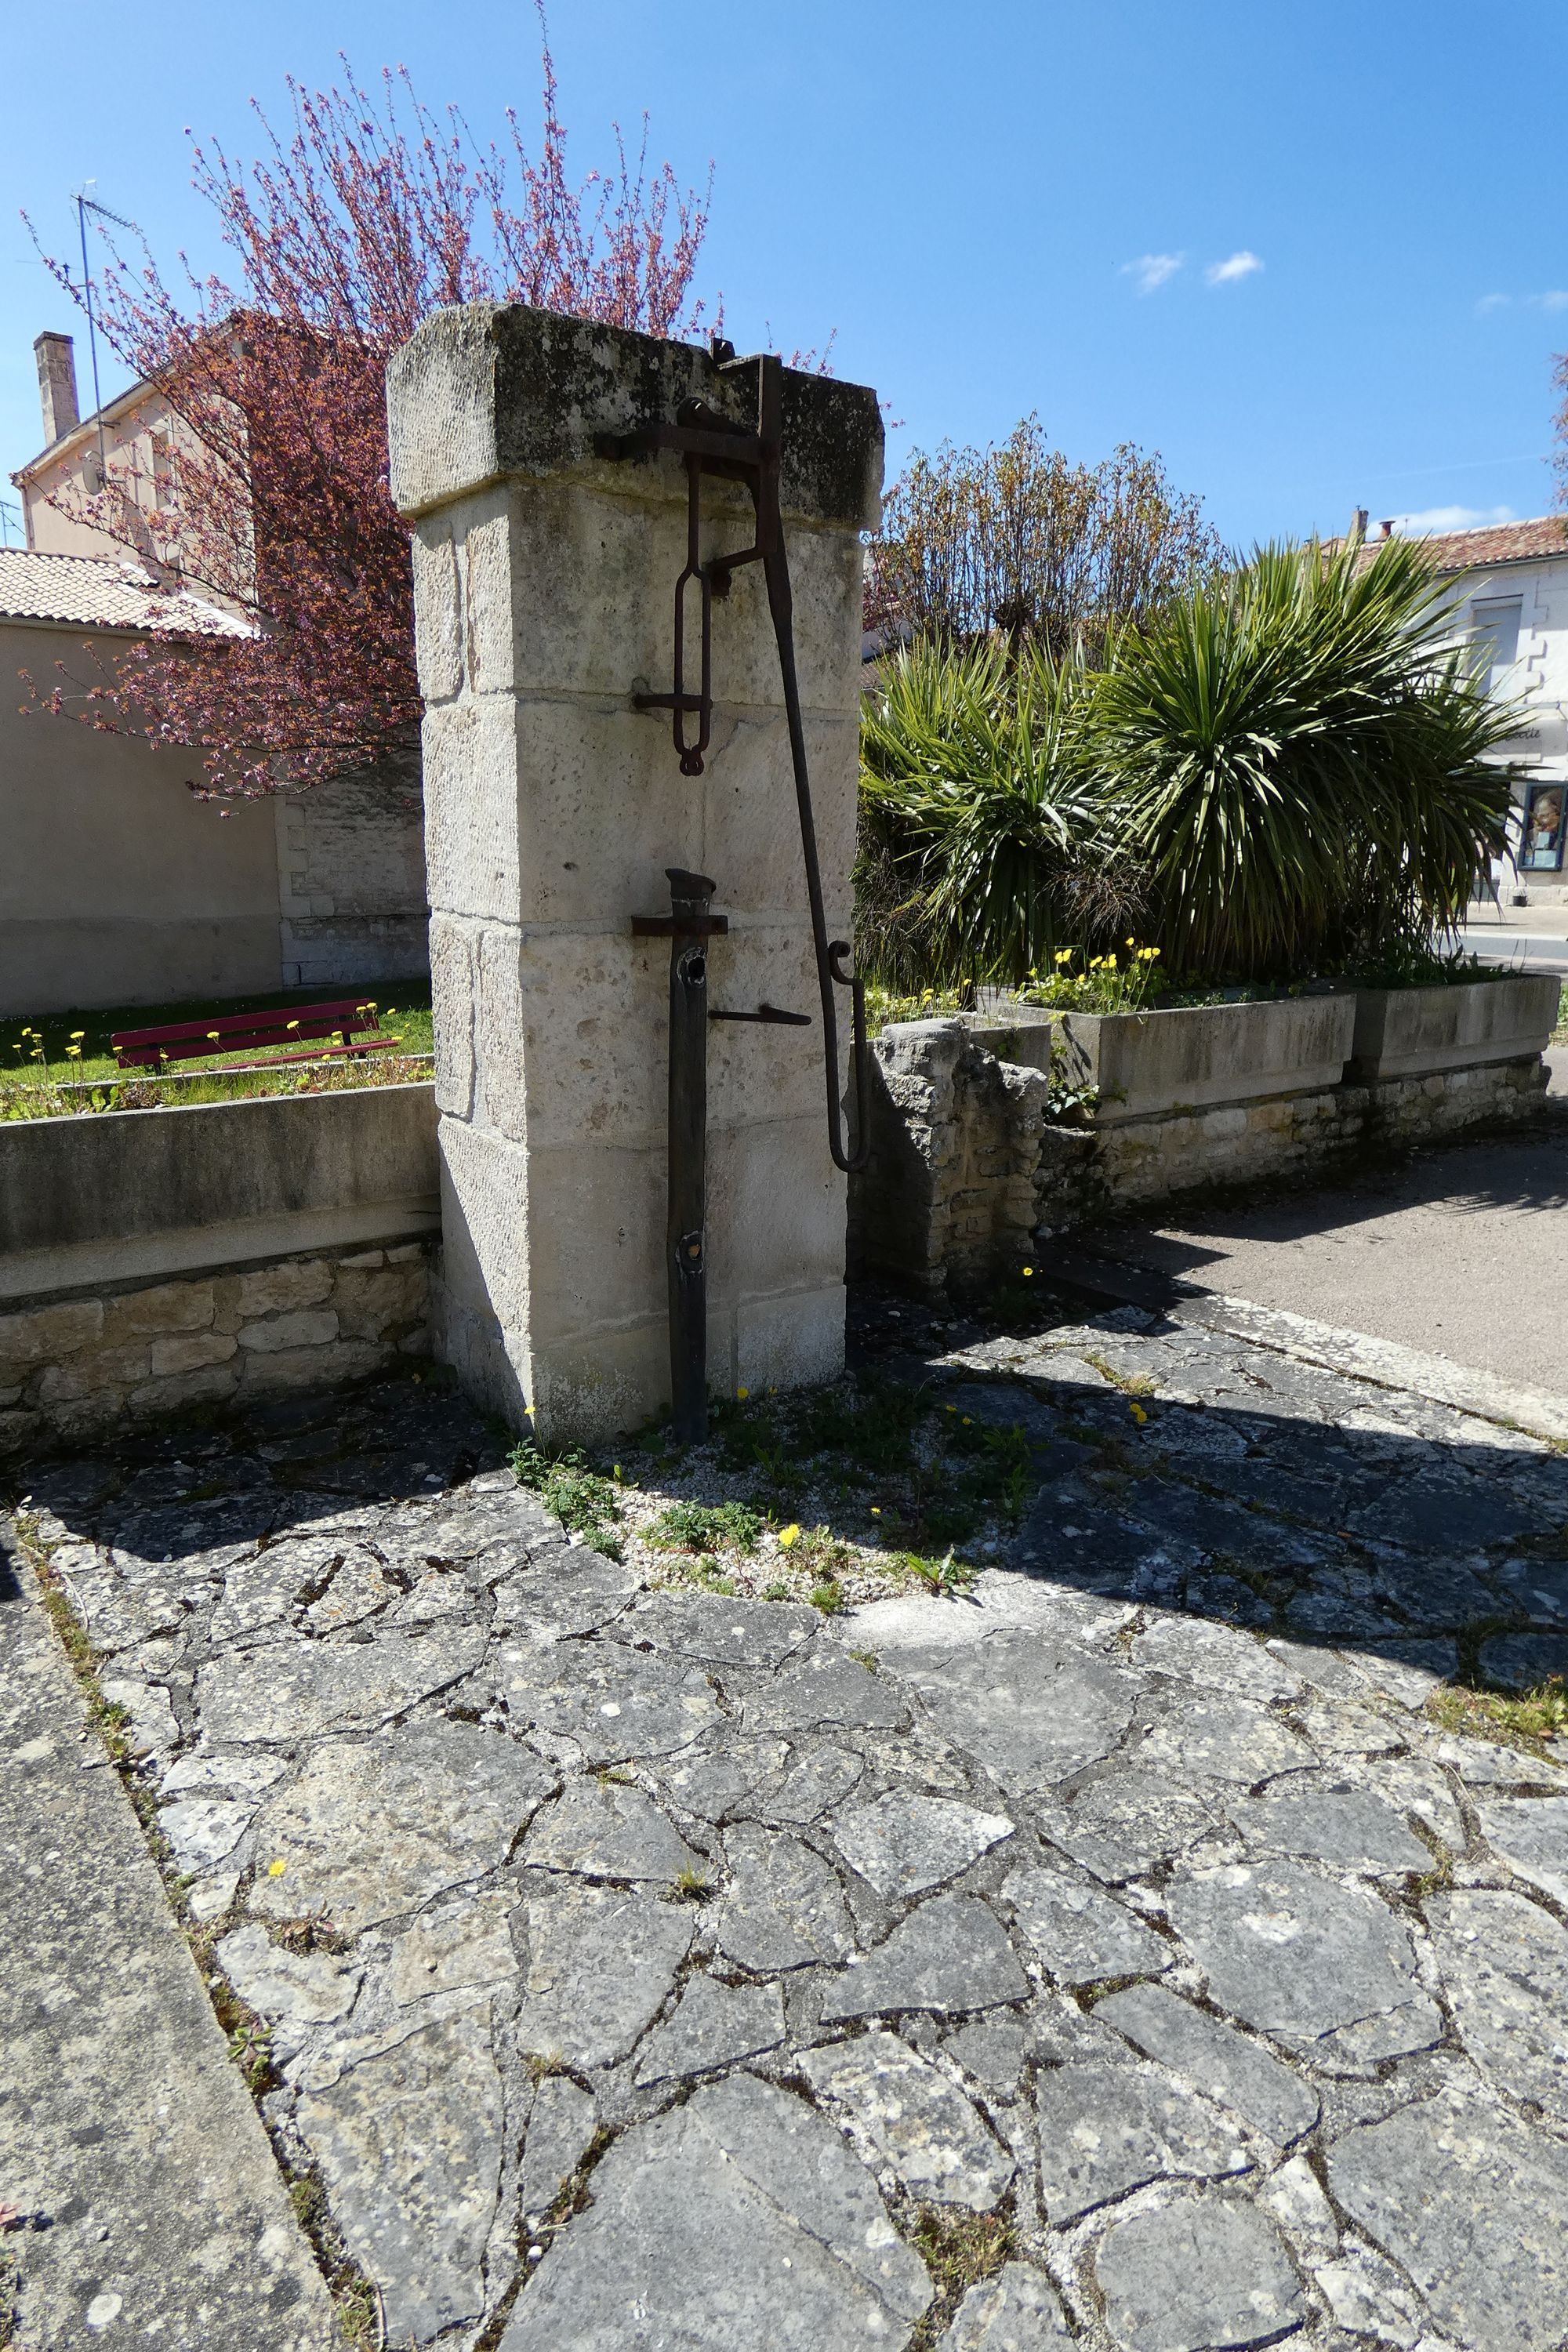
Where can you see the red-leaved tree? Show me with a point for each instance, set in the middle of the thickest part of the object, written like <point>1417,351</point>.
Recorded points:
<point>371,214</point>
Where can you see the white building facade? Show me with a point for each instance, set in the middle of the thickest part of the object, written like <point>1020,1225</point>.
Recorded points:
<point>1510,588</point>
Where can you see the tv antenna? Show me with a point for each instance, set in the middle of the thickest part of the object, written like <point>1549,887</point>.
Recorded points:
<point>84,205</point>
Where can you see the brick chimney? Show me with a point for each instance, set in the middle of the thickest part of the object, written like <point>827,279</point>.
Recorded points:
<point>57,384</point>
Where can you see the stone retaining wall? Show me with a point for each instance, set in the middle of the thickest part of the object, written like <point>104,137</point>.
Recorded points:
<point>967,1171</point>
<point>72,1366</point>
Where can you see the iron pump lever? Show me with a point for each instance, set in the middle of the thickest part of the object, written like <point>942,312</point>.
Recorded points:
<point>710,443</point>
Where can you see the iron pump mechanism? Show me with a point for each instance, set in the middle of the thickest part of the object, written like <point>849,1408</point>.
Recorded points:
<point>712,443</point>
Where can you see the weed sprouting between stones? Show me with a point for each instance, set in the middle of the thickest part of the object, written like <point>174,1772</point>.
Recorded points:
<point>357,2300</point>
<point>944,1575</point>
<point>960,2249</point>
<point>829,1498</point>
<point>580,1497</point>
<point>706,1528</point>
<point>1525,1720</point>
<point>1131,1384</point>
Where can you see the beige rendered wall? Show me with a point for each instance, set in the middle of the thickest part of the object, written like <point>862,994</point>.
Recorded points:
<point>133,430</point>
<point>117,887</point>
<point>544,576</point>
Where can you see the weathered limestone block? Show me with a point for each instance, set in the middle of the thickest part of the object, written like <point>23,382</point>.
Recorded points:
<point>368,1304</point>
<point>545,573</point>
<point>169,1307</point>
<point>41,1334</point>
<point>302,1282</point>
<point>96,1368</point>
<point>208,1384</point>
<point>956,1147</point>
<point>185,1351</point>
<point>311,1367</point>
<point>307,1327</point>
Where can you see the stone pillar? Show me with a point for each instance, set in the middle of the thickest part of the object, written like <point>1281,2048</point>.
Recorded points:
<point>544,577</point>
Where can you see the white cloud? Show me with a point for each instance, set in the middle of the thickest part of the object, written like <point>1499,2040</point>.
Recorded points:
<point>1429,518</point>
<point>1151,270</point>
<point>1555,298</point>
<point>1238,265</point>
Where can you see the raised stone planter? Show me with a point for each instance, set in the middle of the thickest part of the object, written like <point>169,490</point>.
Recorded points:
<point>1189,1057</point>
<point>968,1173</point>
<point>1404,1033</point>
<point>154,1260</point>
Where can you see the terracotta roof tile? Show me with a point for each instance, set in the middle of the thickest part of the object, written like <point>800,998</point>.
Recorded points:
<point>90,592</point>
<point>1500,542</point>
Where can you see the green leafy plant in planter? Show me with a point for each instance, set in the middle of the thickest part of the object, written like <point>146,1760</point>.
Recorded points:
<point>976,798</point>
<point>1299,765</point>
<point>1276,772</point>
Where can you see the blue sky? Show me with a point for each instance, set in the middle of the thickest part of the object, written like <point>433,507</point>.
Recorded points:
<point>1315,254</point>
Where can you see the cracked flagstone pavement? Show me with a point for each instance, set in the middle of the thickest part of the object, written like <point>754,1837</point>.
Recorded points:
<point>666,1970</point>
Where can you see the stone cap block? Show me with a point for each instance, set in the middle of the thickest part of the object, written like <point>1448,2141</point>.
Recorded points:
<point>492,390</point>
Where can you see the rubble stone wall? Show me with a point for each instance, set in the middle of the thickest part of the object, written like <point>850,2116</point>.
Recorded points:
<point>74,1367</point>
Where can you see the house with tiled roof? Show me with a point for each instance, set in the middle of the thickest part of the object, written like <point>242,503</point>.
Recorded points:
<point>1509,600</point>
<point>96,592</point>
<point>120,885</point>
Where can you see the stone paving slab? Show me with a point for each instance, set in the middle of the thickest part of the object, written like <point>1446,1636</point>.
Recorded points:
<point>660,1969</point>
<point>148,2206</point>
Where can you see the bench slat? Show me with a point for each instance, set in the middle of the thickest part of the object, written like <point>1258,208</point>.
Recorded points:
<point>222,1033</point>
<point>354,1011</point>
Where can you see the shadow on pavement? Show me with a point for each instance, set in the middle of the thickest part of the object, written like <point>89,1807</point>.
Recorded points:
<point>1177,1468</point>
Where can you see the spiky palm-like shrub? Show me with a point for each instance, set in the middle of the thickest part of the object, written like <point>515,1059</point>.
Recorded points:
<point>1297,765</point>
<point>975,801</point>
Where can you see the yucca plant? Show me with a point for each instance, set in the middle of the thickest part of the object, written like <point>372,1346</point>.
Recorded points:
<point>1298,766</point>
<point>976,801</point>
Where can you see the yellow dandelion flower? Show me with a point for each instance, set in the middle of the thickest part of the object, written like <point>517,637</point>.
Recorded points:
<point>788,1538</point>
<point>277,1866</point>
<point>968,1423</point>
<point>1138,1412</point>
<point>1029,1270</point>
<point>79,1032</point>
<point>742,1394</point>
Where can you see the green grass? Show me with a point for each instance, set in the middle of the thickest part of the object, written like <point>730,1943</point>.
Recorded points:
<point>1515,1718</point>
<point>37,1051</point>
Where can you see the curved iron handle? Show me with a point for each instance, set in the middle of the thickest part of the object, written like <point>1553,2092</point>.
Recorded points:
<point>830,953</point>
<point>710,441</point>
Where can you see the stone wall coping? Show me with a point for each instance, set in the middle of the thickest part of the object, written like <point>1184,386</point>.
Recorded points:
<point>126,1195</point>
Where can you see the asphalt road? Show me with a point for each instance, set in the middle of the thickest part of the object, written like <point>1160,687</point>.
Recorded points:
<point>1462,1252</point>
<point>1533,938</point>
